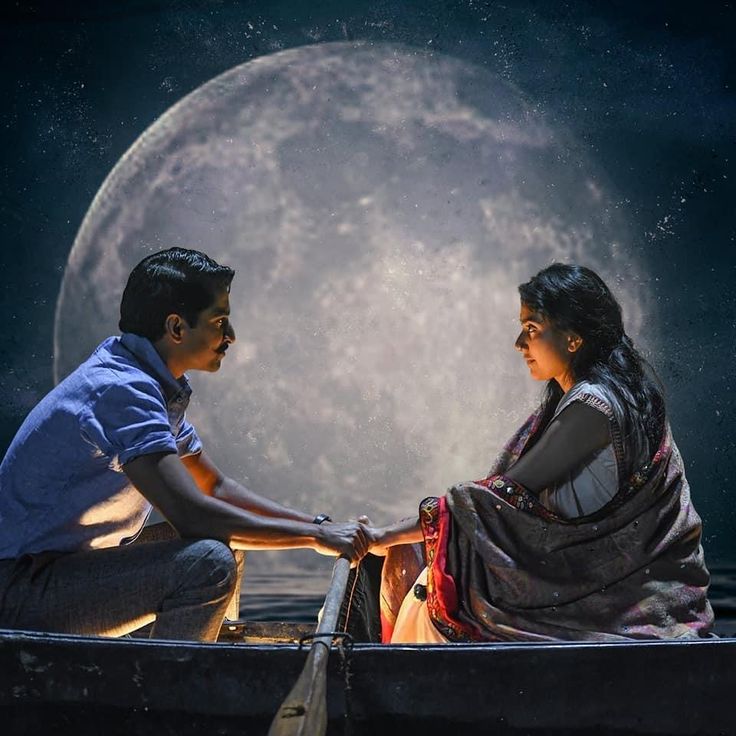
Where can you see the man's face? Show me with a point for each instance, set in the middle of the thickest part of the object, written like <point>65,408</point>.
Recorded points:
<point>203,346</point>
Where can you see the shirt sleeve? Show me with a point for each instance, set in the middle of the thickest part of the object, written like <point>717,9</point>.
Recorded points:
<point>128,420</point>
<point>187,440</point>
<point>576,434</point>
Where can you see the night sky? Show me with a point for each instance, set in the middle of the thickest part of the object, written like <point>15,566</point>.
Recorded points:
<point>645,89</point>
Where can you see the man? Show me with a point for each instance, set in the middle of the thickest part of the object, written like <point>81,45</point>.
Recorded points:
<point>80,476</point>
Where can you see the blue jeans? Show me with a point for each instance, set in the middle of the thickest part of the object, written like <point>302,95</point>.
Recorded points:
<point>183,585</point>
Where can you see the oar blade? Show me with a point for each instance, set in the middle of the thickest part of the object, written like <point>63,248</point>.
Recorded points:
<point>304,710</point>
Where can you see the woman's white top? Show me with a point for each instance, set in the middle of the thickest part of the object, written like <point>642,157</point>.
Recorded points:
<point>590,486</point>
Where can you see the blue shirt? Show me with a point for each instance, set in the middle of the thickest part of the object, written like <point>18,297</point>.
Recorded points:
<point>62,487</point>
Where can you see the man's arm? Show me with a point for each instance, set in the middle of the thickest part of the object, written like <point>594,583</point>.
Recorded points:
<point>216,484</point>
<point>165,481</point>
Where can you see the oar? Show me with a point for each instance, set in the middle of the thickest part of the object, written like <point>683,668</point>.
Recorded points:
<point>304,711</point>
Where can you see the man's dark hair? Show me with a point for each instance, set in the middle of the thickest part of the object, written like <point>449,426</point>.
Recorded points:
<point>173,281</point>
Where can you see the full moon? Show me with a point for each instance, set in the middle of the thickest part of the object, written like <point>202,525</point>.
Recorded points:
<point>380,205</point>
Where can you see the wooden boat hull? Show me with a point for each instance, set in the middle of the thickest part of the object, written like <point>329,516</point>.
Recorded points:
<point>64,684</point>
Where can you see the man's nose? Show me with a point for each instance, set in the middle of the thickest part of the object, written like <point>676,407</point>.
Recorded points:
<point>230,333</point>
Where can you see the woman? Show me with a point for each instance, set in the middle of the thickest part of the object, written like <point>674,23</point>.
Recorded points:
<point>584,527</point>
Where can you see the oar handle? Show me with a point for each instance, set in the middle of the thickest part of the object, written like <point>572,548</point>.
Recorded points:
<point>335,595</point>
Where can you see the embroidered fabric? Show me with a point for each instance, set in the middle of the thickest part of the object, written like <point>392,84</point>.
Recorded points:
<point>501,567</point>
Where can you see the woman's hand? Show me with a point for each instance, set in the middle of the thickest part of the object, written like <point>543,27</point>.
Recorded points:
<point>406,531</point>
<point>378,546</point>
<point>377,533</point>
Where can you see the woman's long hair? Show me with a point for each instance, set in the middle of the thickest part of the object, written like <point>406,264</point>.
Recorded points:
<point>576,299</point>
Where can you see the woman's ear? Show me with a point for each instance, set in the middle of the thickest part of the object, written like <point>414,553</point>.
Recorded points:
<point>574,342</point>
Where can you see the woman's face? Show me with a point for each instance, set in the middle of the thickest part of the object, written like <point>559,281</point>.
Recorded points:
<point>547,351</point>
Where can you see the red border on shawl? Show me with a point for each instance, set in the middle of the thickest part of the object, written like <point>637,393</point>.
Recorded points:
<point>442,583</point>
<point>442,600</point>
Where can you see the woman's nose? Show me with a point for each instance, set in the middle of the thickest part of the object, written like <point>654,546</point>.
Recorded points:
<point>520,343</point>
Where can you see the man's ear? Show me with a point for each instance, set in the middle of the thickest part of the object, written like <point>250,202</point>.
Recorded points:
<point>174,326</point>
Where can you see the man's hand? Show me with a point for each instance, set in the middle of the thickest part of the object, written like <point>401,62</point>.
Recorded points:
<point>349,538</point>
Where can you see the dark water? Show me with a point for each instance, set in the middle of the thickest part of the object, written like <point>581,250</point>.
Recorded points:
<point>722,596</point>
<point>283,597</point>
<point>299,596</point>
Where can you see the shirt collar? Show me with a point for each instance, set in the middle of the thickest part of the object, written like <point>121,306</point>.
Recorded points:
<point>142,348</point>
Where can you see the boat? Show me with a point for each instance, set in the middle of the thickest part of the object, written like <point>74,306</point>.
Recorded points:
<point>59,684</point>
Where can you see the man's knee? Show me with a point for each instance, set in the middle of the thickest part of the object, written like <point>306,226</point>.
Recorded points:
<point>211,562</point>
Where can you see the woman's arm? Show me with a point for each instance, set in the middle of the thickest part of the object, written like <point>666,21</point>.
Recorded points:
<point>406,531</point>
<point>571,439</point>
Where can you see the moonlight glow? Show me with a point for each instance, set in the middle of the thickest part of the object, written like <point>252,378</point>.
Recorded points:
<point>380,206</point>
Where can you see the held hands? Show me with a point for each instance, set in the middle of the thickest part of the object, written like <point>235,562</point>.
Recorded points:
<point>356,538</point>
<point>349,538</point>
<point>378,544</point>
<point>377,534</point>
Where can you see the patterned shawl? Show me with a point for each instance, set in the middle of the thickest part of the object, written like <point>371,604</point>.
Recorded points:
<point>504,568</point>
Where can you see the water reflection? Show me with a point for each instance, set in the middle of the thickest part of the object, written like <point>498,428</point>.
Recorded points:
<point>297,596</point>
